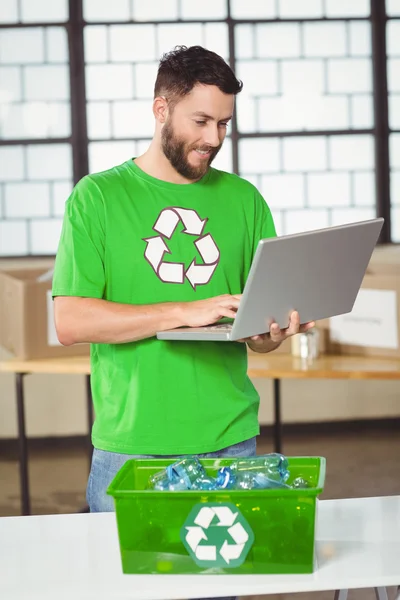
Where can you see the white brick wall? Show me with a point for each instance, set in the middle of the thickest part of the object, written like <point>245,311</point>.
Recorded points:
<point>328,189</point>
<point>164,9</point>
<point>26,200</point>
<point>302,77</point>
<point>117,10</point>
<point>249,72</point>
<point>362,112</point>
<point>11,84</point>
<point>312,76</point>
<point>98,115</point>
<point>109,82</point>
<point>95,44</point>
<point>305,76</point>
<point>49,162</point>
<point>305,154</point>
<point>306,219</point>
<point>259,156</point>
<point>13,238</point>
<point>44,11</point>
<point>293,9</point>
<point>45,235</point>
<point>275,41</point>
<point>345,8</point>
<point>206,9</point>
<point>129,43</point>
<point>283,191</point>
<point>364,189</point>
<point>132,119</point>
<point>104,155</point>
<point>324,39</point>
<point>253,9</point>
<point>320,183</point>
<point>395,150</point>
<point>349,75</point>
<point>22,46</point>
<point>393,8</point>
<point>46,82</point>
<point>11,163</point>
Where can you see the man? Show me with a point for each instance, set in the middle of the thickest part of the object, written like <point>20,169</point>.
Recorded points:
<point>128,266</point>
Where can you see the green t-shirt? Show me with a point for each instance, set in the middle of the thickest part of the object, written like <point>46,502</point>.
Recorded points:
<point>130,238</point>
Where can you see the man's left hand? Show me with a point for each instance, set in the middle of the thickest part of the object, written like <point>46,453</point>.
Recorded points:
<point>269,341</point>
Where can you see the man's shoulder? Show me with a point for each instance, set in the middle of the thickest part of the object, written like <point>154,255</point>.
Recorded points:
<point>231,179</point>
<point>108,177</point>
<point>95,187</point>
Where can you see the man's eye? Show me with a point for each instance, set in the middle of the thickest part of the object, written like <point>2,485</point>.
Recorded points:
<point>200,122</point>
<point>224,124</point>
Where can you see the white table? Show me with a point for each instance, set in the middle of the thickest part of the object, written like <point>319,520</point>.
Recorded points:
<point>77,557</point>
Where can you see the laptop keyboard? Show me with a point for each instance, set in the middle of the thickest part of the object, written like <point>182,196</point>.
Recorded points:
<point>219,327</point>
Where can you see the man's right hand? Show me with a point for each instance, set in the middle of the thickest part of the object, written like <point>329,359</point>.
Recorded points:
<point>206,312</point>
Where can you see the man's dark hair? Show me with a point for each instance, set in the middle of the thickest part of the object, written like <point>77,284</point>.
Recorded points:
<point>182,68</point>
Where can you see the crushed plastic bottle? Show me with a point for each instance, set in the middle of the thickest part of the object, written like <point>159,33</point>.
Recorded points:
<point>204,483</point>
<point>189,469</point>
<point>255,480</point>
<point>300,483</point>
<point>225,479</point>
<point>274,466</point>
<point>162,482</point>
<point>228,478</point>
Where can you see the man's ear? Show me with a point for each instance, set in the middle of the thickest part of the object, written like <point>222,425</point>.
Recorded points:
<point>160,109</point>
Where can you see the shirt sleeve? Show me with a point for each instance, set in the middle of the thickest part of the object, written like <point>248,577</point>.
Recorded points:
<point>264,225</point>
<point>79,266</point>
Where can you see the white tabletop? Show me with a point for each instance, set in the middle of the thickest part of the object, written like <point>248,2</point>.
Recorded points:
<point>77,556</point>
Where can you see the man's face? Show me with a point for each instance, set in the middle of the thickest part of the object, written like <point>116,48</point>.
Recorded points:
<point>193,134</point>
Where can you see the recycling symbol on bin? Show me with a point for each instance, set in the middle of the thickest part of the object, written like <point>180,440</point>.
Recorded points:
<point>175,272</point>
<point>217,535</point>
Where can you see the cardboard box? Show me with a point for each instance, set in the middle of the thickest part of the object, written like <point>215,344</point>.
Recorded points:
<point>373,326</point>
<point>385,260</point>
<point>26,317</point>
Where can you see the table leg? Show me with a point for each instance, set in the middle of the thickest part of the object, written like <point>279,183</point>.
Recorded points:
<point>277,409</point>
<point>89,405</point>
<point>341,594</point>
<point>22,446</point>
<point>381,593</point>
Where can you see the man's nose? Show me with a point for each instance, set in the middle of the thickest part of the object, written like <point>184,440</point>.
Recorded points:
<point>211,137</point>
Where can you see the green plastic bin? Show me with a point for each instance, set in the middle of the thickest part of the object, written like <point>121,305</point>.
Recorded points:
<point>222,532</point>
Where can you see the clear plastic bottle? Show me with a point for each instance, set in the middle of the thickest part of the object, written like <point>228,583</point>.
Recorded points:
<point>255,480</point>
<point>189,469</point>
<point>225,479</point>
<point>204,483</point>
<point>300,483</point>
<point>274,466</point>
<point>162,482</point>
<point>228,479</point>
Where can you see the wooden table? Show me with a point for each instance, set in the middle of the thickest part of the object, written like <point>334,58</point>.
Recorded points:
<point>286,366</point>
<point>270,366</point>
<point>71,365</point>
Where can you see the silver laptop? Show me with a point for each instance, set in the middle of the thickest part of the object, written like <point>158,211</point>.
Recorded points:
<point>318,273</point>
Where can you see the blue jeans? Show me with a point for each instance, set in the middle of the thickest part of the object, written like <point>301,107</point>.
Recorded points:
<point>105,465</point>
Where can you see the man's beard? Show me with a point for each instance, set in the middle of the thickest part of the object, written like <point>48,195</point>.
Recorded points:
<point>177,151</point>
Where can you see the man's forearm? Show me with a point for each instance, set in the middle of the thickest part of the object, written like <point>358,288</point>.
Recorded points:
<point>91,320</point>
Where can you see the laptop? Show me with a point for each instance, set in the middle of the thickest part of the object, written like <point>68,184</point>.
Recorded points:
<point>318,273</point>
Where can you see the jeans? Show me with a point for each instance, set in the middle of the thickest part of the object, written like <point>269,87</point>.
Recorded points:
<point>105,466</point>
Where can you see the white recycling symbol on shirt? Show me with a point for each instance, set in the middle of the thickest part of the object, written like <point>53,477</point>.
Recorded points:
<point>231,535</point>
<point>174,272</point>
